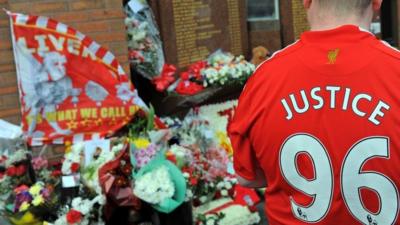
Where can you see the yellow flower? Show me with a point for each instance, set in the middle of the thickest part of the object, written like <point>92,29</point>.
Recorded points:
<point>35,190</point>
<point>141,143</point>
<point>225,142</point>
<point>24,206</point>
<point>68,147</point>
<point>38,200</point>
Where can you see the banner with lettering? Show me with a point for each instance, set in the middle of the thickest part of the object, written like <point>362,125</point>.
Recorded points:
<point>71,88</point>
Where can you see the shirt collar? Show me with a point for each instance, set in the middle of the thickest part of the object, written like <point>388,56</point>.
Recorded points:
<point>342,34</point>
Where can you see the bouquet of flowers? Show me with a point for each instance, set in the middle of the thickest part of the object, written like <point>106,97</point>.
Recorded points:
<point>144,152</point>
<point>17,171</point>
<point>203,152</point>
<point>46,172</point>
<point>145,47</point>
<point>82,211</point>
<point>90,172</point>
<point>191,81</point>
<point>219,115</point>
<point>155,180</point>
<point>85,205</point>
<point>220,69</point>
<point>73,159</point>
<point>224,68</point>
<point>225,211</point>
<point>115,181</point>
<point>155,186</point>
<point>207,178</point>
<point>28,205</point>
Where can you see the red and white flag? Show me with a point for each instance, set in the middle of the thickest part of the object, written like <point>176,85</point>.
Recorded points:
<point>70,87</point>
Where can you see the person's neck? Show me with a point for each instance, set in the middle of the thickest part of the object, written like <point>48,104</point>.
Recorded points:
<point>329,24</point>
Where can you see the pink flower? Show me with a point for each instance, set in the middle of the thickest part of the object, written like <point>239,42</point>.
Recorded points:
<point>39,163</point>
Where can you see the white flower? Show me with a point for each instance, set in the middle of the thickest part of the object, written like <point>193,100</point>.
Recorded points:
<point>189,193</point>
<point>210,222</point>
<point>203,199</point>
<point>17,156</point>
<point>61,221</point>
<point>220,185</point>
<point>117,148</point>
<point>82,205</point>
<point>66,167</point>
<point>224,193</point>
<point>155,186</point>
<point>85,205</point>
<point>228,185</point>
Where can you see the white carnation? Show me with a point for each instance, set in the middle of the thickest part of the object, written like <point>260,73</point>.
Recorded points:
<point>224,193</point>
<point>228,185</point>
<point>203,199</point>
<point>155,186</point>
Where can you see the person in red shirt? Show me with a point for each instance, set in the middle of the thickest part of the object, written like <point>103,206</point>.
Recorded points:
<point>318,124</point>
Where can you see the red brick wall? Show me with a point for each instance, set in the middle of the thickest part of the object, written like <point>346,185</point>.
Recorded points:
<point>102,20</point>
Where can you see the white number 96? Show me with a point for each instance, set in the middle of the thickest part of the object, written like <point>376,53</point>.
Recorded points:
<point>352,179</point>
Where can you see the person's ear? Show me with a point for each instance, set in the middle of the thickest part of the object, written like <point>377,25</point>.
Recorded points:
<point>376,5</point>
<point>307,3</point>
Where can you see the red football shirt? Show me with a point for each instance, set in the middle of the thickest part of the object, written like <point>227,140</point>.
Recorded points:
<point>321,119</point>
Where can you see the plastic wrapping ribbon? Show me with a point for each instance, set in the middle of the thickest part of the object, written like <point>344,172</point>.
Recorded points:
<point>166,78</point>
<point>191,80</point>
<point>188,88</point>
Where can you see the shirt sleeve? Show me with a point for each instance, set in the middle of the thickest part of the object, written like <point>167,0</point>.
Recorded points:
<point>244,155</point>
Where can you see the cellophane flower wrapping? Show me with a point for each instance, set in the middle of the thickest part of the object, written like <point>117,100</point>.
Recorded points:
<point>16,170</point>
<point>144,41</point>
<point>115,182</point>
<point>155,186</point>
<point>32,204</point>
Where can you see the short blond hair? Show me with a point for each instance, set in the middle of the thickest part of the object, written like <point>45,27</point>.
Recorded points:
<point>345,6</point>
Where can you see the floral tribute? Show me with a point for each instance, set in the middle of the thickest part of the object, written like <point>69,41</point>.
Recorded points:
<point>144,42</point>
<point>220,69</point>
<point>156,163</point>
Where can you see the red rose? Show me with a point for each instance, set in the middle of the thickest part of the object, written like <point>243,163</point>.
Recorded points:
<point>193,181</point>
<point>136,55</point>
<point>56,173</point>
<point>20,170</point>
<point>188,170</point>
<point>21,189</point>
<point>75,167</point>
<point>74,216</point>
<point>11,171</point>
<point>217,195</point>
